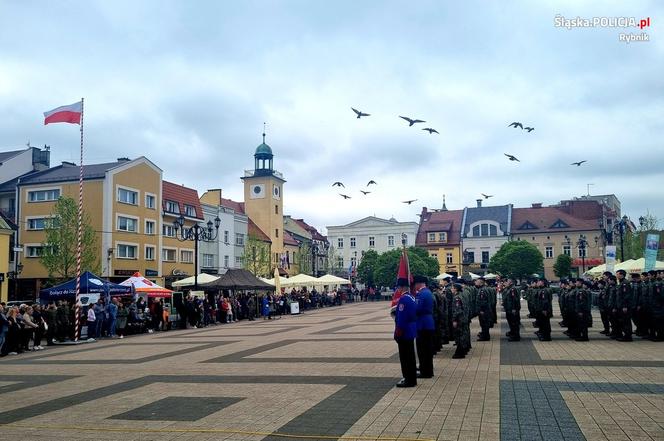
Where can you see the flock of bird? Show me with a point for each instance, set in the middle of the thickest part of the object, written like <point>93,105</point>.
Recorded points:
<point>411,122</point>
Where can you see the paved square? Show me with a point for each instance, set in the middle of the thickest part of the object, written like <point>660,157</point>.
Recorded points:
<point>330,374</point>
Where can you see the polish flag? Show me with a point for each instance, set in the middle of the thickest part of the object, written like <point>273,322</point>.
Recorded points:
<point>67,114</point>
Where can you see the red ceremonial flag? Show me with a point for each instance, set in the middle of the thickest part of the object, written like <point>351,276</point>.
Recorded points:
<point>404,268</point>
<point>67,114</point>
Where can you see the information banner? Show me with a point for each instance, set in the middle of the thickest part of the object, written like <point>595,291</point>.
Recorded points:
<point>652,245</point>
<point>610,257</point>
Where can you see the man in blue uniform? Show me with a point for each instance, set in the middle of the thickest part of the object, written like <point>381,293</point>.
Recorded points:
<point>405,331</point>
<point>425,326</point>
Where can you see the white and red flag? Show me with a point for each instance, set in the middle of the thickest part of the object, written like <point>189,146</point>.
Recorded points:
<point>66,114</point>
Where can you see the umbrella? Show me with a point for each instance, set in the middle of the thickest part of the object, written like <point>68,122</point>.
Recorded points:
<point>277,281</point>
<point>143,285</point>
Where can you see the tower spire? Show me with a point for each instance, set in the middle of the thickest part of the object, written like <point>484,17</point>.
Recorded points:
<point>444,206</point>
<point>264,132</point>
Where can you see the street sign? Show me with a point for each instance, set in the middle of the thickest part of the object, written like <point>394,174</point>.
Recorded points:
<point>18,249</point>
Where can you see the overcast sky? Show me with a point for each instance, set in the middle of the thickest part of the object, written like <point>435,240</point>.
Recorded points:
<point>189,85</point>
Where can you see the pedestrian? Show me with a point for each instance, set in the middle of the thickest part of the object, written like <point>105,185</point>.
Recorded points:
<point>405,331</point>
<point>4,327</point>
<point>121,320</point>
<point>582,309</point>
<point>624,306</point>
<point>543,307</point>
<point>51,323</point>
<point>112,310</point>
<point>459,320</point>
<point>484,308</point>
<point>425,326</point>
<point>512,305</point>
<point>92,322</point>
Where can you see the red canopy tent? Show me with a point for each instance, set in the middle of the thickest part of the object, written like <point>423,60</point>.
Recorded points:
<point>144,286</point>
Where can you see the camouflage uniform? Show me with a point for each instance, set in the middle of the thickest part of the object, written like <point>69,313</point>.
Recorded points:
<point>459,323</point>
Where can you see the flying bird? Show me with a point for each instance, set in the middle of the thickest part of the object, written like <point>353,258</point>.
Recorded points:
<point>360,114</point>
<point>516,124</point>
<point>512,157</point>
<point>578,164</point>
<point>431,131</point>
<point>344,196</point>
<point>409,202</point>
<point>338,184</point>
<point>530,129</point>
<point>364,192</point>
<point>486,196</point>
<point>411,121</point>
<point>371,182</point>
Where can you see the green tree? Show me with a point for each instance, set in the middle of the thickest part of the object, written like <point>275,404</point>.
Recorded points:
<point>387,264</point>
<point>60,245</point>
<point>366,268</point>
<point>518,259</point>
<point>304,258</point>
<point>256,257</point>
<point>563,266</point>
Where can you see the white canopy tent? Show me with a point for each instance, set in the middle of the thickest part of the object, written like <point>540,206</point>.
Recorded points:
<point>189,281</point>
<point>490,276</point>
<point>473,276</point>
<point>329,279</point>
<point>300,280</point>
<point>442,276</point>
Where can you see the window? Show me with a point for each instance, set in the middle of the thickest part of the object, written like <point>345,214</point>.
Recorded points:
<point>276,209</point>
<point>226,261</point>
<point>485,257</point>
<point>225,236</point>
<point>127,251</point>
<point>208,260</point>
<point>493,231</point>
<point>168,231</point>
<point>390,241</point>
<point>567,250</point>
<point>353,261</point>
<point>238,261</point>
<point>559,224</point>
<point>43,195</point>
<point>582,252</point>
<point>434,255</point>
<point>527,226</point>
<point>149,252</point>
<point>442,237</point>
<point>37,224</point>
<point>239,239</point>
<point>168,255</point>
<point>127,224</point>
<point>150,227</point>
<point>485,230</point>
<point>276,232</point>
<point>448,258</point>
<point>34,251</point>
<point>150,201</point>
<point>548,252</point>
<point>186,256</point>
<point>340,261</point>
<point>352,242</point>
<point>372,241</point>
<point>172,207</point>
<point>470,256</point>
<point>432,237</point>
<point>189,210</point>
<point>127,196</point>
<point>476,230</point>
<point>340,242</point>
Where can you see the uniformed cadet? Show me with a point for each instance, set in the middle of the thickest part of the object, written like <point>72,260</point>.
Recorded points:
<point>624,306</point>
<point>447,290</point>
<point>458,318</point>
<point>512,305</point>
<point>570,307</point>
<point>646,306</point>
<point>436,344</point>
<point>582,310</point>
<point>544,310</point>
<point>657,301</point>
<point>603,303</point>
<point>484,309</point>
<point>467,293</point>
<point>638,302</point>
<point>441,319</point>
<point>405,331</point>
<point>612,307</point>
<point>425,326</point>
<point>564,288</point>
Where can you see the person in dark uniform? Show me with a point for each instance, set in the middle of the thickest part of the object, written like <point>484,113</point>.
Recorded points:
<point>405,331</point>
<point>624,306</point>
<point>459,321</point>
<point>512,305</point>
<point>582,309</point>
<point>544,309</point>
<point>484,309</point>
<point>425,326</point>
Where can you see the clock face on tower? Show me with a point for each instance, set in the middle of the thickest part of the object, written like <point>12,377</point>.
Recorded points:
<point>276,192</point>
<point>257,191</point>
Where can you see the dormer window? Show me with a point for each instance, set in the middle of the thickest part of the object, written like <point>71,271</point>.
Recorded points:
<point>559,224</point>
<point>172,207</point>
<point>527,226</point>
<point>189,210</point>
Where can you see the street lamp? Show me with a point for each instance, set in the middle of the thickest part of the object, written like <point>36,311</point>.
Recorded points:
<point>196,233</point>
<point>621,227</point>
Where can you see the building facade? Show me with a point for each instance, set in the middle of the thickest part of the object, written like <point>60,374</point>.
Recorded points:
<point>371,233</point>
<point>484,230</point>
<point>440,234</point>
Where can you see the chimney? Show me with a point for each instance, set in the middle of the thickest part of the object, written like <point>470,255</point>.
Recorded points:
<point>479,203</point>
<point>537,205</point>
<point>123,159</point>
<point>68,164</point>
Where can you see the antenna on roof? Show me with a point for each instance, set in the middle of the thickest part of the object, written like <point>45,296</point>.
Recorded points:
<point>588,188</point>
<point>264,124</point>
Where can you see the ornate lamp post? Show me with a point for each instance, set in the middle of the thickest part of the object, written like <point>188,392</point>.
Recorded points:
<point>196,233</point>
<point>621,226</point>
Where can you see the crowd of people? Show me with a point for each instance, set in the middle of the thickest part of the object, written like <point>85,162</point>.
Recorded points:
<point>25,327</point>
<point>428,320</point>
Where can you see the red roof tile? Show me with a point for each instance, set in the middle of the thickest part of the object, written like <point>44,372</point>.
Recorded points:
<point>182,195</point>
<point>543,218</point>
<point>237,206</point>
<point>256,232</point>
<point>312,230</point>
<point>448,221</point>
<point>289,240</point>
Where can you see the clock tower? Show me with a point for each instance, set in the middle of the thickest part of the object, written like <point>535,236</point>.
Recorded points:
<point>263,198</point>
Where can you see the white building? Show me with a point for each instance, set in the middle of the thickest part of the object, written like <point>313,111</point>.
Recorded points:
<point>370,233</point>
<point>228,249</point>
<point>484,230</point>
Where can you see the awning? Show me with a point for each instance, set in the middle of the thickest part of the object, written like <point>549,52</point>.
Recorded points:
<point>144,286</point>
<point>189,281</point>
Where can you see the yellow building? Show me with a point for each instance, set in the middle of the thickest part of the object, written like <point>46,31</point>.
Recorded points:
<point>5,239</point>
<point>122,200</point>
<point>263,200</point>
<point>440,234</point>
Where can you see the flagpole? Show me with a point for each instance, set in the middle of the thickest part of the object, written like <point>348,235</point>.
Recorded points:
<point>79,237</point>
